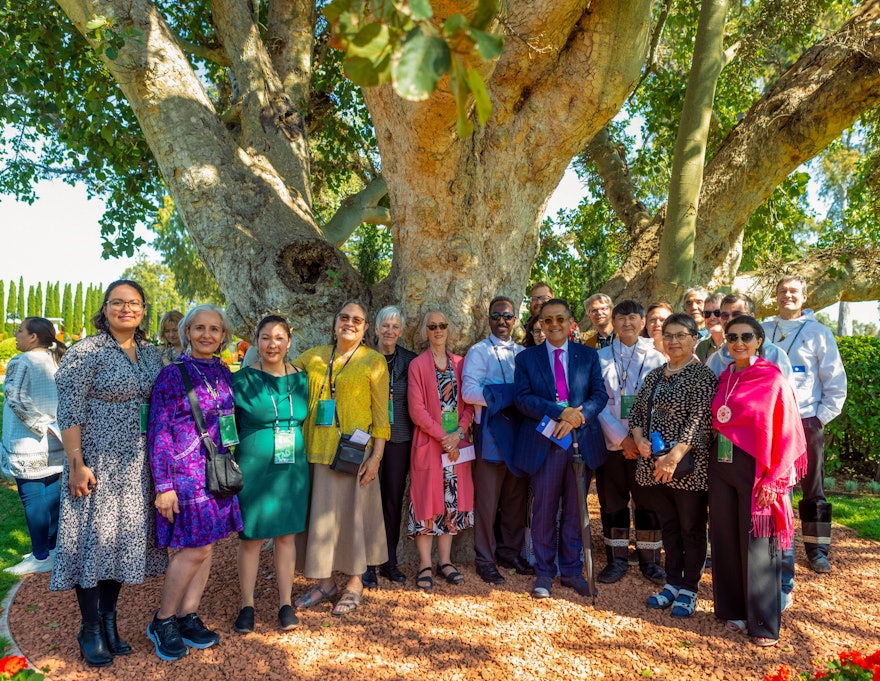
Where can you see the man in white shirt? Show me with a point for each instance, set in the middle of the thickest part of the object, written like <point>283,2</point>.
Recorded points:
<point>625,362</point>
<point>498,493</point>
<point>820,384</point>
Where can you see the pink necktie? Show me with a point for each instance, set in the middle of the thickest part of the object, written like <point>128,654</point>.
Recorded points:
<point>559,373</point>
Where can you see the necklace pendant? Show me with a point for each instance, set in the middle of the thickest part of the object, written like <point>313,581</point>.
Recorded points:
<point>723,414</point>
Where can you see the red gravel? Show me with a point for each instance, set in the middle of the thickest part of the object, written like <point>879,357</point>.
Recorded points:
<point>471,631</point>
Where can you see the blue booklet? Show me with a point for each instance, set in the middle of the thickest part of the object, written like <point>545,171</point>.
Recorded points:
<point>546,428</point>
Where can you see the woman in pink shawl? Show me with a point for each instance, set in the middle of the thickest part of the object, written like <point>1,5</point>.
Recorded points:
<point>758,456</point>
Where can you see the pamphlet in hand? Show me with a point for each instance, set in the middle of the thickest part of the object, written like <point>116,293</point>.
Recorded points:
<point>546,428</point>
<point>465,454</point>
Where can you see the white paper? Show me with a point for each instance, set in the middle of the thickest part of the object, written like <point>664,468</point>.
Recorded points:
<point>465,454</point>
<point>549,428</point>
<point>359,437</point>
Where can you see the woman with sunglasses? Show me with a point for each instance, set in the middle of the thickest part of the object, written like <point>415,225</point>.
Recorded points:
<point>348,395</point>
<point>441,496</point>
<point>671,423</point>
<point>757,457</point>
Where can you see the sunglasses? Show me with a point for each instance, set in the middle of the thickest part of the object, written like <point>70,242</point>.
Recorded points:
<point>345,319</point>
<point>746,337</point>
<point>433,327</point>
<point>558,319</point>
<point>712,313</point>
<point>506,316</point>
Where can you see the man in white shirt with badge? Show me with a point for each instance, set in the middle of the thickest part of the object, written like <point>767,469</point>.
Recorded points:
<point>498,493</point>
<point>625,362</point>
<point>820,384</point>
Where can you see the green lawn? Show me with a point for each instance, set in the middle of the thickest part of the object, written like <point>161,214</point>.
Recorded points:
<point>860,513</point>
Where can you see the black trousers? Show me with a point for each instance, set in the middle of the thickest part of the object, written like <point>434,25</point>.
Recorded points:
<point>745,569</point>
<point>392,483</point>
<point>683,517</point>
<point>498,494</point>
<point>615,484</point>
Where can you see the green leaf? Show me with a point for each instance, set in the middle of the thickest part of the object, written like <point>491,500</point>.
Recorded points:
<point>111,53</point>
<point>460,90</point>
<point>335,8</point>
<point>371,42</point>
<point>486,11</point>
<point>422,62</point>
<point>481,97</point>
<point>421,10</point>
<point>96,22</point>
<point>365,73</point>
<point>489,46</point>
<point>454,24</point>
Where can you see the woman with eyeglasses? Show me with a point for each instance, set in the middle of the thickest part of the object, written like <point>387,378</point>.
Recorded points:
<point>106,533</point>
<point>348,395</point>
<point>757,457</point>
<point>671,423</point>
<point>441,492</point>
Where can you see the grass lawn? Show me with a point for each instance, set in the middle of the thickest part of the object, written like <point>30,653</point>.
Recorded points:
<point>860,513</point>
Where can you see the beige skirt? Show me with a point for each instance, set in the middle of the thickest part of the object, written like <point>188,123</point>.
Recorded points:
<point>346,530</point>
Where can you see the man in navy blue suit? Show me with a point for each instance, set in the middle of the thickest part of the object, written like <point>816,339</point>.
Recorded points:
<point>562,381</point>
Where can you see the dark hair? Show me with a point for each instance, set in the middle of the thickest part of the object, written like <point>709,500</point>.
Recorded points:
<point>100,319</point>
<point>556,301</point>
<point>502,299</point>
<point>350,301</point>
<point>682,319</point>
<point>45,332</point>
<point>732,298</point>
<point>752,323</point>
<point>272,319</point>
<point>628,307</point>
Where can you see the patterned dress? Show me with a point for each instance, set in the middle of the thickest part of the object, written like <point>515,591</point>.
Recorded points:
<point>177,456</point>
<point>108,534</point>
<point>453,520</point>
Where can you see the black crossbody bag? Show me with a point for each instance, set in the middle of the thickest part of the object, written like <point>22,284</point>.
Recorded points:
<point>349,455</point>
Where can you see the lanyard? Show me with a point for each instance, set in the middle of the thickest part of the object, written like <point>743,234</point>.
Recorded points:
<point>391,362</point>
<point>449,372</point>
<point>500,364</point>
<point>269,391</point>
<point>330,371</point>
<point>782,338</point>
<point>213,391</point>
<point>621,379</point>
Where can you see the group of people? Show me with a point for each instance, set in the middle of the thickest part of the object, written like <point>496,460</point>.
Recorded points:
<point>326,442</point>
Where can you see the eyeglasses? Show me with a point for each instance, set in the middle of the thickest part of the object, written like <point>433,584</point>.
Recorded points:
<point>537,332</point>
<point>345,319</point>
<point>506,316</point>
<point>117,304</point>
<point>680,336</point>
<point>558,319</point>
<point>746,337</point>
<point>540,299</point>
<point>712,313</point>
<point>731,315</point>
<point>599,309</point>
<point>433,327</point>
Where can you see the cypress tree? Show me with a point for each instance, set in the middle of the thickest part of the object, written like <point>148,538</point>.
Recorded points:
<point>3,325</point>
<point>67,308</point>
<point>19,300</point>
<point>38,300</point>
<point>32,302</point>
<point>53,304</point>
<point>10,307</point>
<point>76,329</point>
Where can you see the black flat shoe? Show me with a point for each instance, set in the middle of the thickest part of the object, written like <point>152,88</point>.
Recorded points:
<point>287,618</point>
<point>520,564</point>
<point>115,645</point>
<point>654,572</point>
<point>92,646</point>
<point>392,573</point>
<point>244,623</point>
<point>613,572</point>
<point>369,579</point>
<point>489,574</point>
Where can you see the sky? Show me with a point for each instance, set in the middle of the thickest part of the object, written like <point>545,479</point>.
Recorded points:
<point>57,238</point>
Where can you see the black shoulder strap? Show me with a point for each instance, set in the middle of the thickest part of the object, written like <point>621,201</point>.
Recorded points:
<point>198,417</point>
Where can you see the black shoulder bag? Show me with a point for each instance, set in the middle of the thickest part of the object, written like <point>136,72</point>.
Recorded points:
<point>349,455</point>
<point>222,474</point>
<point>687,463</point>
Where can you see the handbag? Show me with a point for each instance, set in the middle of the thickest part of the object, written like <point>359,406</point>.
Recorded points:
<point>686,465</point>
<point>349,455</point>
<point>223,476</point>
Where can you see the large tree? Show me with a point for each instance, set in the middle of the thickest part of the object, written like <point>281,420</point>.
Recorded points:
<point>226,101</point>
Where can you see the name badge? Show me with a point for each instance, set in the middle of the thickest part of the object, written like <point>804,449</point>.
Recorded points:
<point>228,431</point>
<point>449,421</point>
<point>324,413</point>
<point>799,369</point>
<point>725,449</point>
<point>285,445</point>
<point>145,417</point>
<point>562,404</point>
<point>626,405</point>
<point>390,411</point>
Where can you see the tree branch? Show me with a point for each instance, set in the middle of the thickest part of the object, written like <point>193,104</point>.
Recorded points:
<point>290,41</point>
<point>212,54</point>
<point>655,40</point>
<point>357,208</point>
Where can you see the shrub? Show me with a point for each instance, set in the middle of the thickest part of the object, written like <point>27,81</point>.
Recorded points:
<point>873,486</point>
<point>829,483</point>
<point>850,486</point>
<point>850,439</point>
<point>7,350</point>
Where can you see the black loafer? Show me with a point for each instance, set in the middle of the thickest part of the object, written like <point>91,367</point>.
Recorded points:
<point>579,584</point>
<point>287,618</point>
<point>244,623</point>
<point>489,573</point>
<point>369,578</point>
<point>613,572</point>
<point>392,573</point>
<point>654,573</point>
<point>819,563</point>
<point>520,564</point>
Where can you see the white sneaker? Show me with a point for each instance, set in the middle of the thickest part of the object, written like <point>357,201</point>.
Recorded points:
<point>786,601</point>
<point>31,565</point>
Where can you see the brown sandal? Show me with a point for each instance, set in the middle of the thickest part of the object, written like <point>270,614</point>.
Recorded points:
<point>348,603</point>
<point>314,596</point>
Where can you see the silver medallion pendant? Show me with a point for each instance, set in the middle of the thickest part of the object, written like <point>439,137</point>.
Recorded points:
<point>723,414</point>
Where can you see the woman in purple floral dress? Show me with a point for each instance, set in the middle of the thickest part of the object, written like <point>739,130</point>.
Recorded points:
<point>188,517</point>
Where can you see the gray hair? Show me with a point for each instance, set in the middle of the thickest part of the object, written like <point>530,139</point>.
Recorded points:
<point>187,321</point>
<point>598,296</point>
<point>389,312</point>
<point>698,291</point>
<point>423,327</point>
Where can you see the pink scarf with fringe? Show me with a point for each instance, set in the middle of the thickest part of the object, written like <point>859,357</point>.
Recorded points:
<point>765,422</point>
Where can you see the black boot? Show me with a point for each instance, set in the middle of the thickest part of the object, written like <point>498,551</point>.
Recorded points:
<point>617,551</point>
<point>648,545</point>
<point>92,645</point>
<point>816,525</point>
<point>114,644</point>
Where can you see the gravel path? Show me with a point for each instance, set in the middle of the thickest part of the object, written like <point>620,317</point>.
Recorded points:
<point>472,631</point>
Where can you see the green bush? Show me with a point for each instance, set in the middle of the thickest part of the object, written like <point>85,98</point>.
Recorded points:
<point>7,349</point>
<point>850,439</point>
<point>851,486</point>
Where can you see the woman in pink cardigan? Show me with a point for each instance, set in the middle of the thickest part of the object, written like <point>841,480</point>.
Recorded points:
<point>441,497</point>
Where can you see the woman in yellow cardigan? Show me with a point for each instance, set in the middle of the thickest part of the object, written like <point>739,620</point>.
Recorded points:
<point>348,394</point>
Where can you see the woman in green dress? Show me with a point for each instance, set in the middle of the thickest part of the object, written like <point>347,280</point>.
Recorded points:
<point>271,399</point>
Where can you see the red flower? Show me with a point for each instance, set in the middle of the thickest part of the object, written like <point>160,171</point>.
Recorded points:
<point>852,656</point>
<point>784,674</point>
<point>12,665</point>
